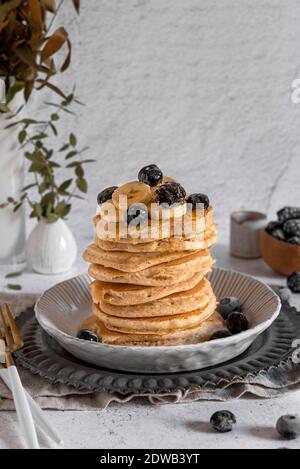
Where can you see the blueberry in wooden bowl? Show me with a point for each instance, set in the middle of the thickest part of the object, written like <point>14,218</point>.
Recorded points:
<point>280,241</point>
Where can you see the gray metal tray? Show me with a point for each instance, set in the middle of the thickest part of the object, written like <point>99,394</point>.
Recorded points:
<point>42,355</point>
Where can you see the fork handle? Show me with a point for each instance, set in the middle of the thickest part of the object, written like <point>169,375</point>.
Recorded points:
<point>37,413</point>
<point>22,409</point>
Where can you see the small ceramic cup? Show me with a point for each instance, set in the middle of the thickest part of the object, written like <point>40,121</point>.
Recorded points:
<point>245,228</point>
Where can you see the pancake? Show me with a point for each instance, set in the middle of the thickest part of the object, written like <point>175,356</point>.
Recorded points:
<point>125,294</point>
<point>193,335</point>
<point>177,303</point>
<point>167,273</point>
<point>129,262</point>
<point>157,230</point>
<point>173,244</point>
<point>156,325</point>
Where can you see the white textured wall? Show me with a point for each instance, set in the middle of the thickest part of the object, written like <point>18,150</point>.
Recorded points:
<point>200,87</point>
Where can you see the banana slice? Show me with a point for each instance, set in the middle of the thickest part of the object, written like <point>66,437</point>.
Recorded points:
<point>163,212</point>
<point>132,192</point>
<point>167,179</point>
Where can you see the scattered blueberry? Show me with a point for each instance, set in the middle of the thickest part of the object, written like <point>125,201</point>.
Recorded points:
<point>195,199</point>
<point>237,322</point>
<point>84,334</point>
<point>106,194</point>
<point>293,282</point>
<point>288,213</point>
<point>138,213</point>
<point>150,175</point>
<point>294,240</point>
<point>292,227</point>
<point>170,193</point>
<point>228,305</point>
<point>288,426</point>
<point>223,421</point>
<point>278,233</point>
<point>284,294</point>
<point>273,225</point>
<point>220,335</point>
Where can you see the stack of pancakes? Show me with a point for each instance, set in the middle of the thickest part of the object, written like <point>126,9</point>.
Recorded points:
<point>149,291</point>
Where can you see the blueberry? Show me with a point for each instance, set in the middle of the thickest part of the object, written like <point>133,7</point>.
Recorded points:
<point>237,322</point>
<point>288,426</point>
<point>195,199</point>
<point>223,421</point>
<point>292,227</point>
<point>170,193</point>
<point>138,213</point>
<point>288,213</point>
<point>273,225</point>
<point>84,334</point>
<point>293,282</point>
<point>150,175</point>
<point>228,305</point>
<point>294,240</point>
<point>106,194</point>
<point>284,294</point>
<point>220,335</point>
<point>278,233</point>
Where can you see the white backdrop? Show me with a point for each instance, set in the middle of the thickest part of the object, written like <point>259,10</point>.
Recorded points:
<point>200,87</point>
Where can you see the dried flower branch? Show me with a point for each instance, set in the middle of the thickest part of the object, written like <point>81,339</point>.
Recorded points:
<point>28,48</point>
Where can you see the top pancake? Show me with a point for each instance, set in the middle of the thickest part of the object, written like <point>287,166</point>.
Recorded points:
<point>192,225</point>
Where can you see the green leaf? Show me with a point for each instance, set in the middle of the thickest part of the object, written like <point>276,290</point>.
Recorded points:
<point>73,140</point>
<point>82,185</point>
<point>39,136</point>
<point>14,286</point>
<point>54,117</point>
<point>71,154</point>
<point>43,187</point>
<point>74,164</point>
<point>64,147</point>
<point>88,161</point>
<point>64,186</point>
<point>16,207</point>
<point>79,172</point>
<point>47,199</point>
<point>13,274</point>
<point>22,136</point>
<point>53,164</point>
<point>52,218</point>
<point>30,186</point>
<point>29,121</point>
<point>54,129</point>
<point>36,167</point>
<point>12,124</point>
<point>62,209</point>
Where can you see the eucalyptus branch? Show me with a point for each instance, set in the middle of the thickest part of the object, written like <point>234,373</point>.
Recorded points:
<point>55,197</point>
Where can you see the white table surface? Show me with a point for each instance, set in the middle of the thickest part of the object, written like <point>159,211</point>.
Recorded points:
<point>139,425</point>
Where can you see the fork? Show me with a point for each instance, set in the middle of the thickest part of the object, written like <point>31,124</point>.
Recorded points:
<point>12,343</point>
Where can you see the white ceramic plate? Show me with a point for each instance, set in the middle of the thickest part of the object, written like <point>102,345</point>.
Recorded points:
<point>62,308</point>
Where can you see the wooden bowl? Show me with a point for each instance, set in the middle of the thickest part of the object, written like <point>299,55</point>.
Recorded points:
<point>281,256</point>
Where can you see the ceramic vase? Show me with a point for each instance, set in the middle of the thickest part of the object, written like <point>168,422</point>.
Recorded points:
<point>51,247</point>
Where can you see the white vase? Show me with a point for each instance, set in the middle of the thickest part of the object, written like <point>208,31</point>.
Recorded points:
<point>12,225</point>
<point>51,248</point>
